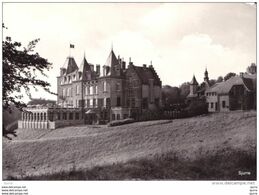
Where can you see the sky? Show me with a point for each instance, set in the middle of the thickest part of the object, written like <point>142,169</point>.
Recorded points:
<point>181,39</point>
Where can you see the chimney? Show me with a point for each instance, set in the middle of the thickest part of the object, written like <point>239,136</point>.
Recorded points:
<point>144,65</point>
<point>130,63</point>
<point>98,70</point>
<point>150,66</point>
<point>241,74</point>
<point>123,65</point>
<point>92,67</point>
<point>104,70</point>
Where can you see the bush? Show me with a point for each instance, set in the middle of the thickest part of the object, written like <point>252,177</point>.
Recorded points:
<point>121,122</point>
<point>197,108</point>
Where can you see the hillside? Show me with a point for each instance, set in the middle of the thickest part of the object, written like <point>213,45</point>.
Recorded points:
<point>34,153</point>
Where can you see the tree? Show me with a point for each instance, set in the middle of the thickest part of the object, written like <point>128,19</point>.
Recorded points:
<point>229,75</point>
<point>251,69</point>
<point>184,90</point>
<point>220,79</point>
<point>170,95</point>
<point>20,69</point>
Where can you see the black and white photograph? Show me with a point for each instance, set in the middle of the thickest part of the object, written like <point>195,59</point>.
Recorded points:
<point>129,91</point>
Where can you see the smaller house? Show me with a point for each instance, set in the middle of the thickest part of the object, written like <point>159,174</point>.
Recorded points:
<point>237,93</point>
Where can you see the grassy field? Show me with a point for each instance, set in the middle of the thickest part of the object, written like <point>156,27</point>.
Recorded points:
<point>215,146</point>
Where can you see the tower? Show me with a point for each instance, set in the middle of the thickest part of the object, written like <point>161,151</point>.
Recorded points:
<point>193,87</point>
<point>206,76</point>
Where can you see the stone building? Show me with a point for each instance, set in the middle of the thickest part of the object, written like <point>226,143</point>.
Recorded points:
<point>236,93</point>
<point>101,94</point>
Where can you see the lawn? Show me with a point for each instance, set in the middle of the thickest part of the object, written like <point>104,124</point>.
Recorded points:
<point>157,149</point>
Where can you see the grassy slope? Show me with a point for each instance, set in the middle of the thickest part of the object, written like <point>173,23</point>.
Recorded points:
<point>84,147</point>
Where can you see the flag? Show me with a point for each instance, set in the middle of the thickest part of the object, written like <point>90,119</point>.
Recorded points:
<point>72,46</point>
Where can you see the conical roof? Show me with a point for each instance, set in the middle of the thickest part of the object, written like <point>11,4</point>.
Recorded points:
<point>194,81</point>
<point>84,66</point>
<point>111,60</point>
<point>70,65</point>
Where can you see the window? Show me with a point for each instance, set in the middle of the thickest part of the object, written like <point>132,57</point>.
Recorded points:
<point>68,92</point>
<point>118,116</point>
<point>77,90</point>
<point>77,116</point>
<point>100,102</point>
<point>223,104</point>
<point>64,116</point>
<point>71,116</point>
<point>64,92</point>
<point>58,116</point>
<point>211,105</point>
<point>91,102</point>
<point>104,86</point>
<point>86,90</point>
<point>113,117</point>
<point>94,102</point>
<point>91,90</point>
<point>96,89</point>
<point>108,102</point>
<point>88,103</point>
<point>118,101</point>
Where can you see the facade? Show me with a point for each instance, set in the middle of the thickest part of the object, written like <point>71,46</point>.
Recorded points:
<point>102,94</point>
<point>237,93</point>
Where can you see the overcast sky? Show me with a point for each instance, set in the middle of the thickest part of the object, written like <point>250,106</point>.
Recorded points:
<point>181,39</point>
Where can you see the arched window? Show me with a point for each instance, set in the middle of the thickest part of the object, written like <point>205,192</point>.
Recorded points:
<point>41,116</point>
<point>91,90</point>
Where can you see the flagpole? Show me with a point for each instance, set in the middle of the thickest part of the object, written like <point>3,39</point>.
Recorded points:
<point>70,50</point>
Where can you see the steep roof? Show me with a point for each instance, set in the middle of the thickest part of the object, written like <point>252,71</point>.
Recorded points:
<point>146,73</point>
<point>111,60</point>
<point>225,86</point>
<point>84,66</point>
<point>70,65</point>
<point>194,81</point>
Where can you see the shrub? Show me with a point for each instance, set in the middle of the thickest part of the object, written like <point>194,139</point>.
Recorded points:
<point>197,108</point>
<point>121,122</point>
